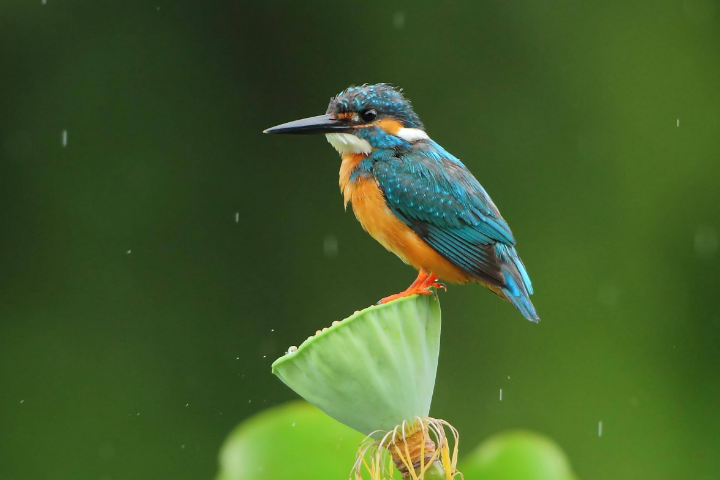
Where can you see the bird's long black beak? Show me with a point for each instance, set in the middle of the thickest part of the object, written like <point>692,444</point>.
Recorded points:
<point>319,124</point>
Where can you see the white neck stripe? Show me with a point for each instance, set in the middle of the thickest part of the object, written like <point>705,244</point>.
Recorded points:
<point>412,134</point>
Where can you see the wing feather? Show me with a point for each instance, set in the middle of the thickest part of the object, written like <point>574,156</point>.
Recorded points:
<point>434,194</point>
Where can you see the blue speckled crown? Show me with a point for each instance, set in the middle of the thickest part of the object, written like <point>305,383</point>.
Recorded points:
<point>386,100</point>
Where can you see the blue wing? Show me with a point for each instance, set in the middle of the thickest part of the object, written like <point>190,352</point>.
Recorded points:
<point>434,194</point>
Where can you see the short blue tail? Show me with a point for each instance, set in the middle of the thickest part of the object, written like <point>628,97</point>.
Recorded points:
<point>518,287</point>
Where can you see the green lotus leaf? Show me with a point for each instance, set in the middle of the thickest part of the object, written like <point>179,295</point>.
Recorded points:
<point>373,370</point>
<point>517,455</point>
<point>295,440</point>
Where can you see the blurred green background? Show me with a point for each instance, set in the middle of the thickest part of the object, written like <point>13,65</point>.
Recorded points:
<point>154,266</point>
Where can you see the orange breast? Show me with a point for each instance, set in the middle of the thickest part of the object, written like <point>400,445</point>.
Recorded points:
<point>377,219</point>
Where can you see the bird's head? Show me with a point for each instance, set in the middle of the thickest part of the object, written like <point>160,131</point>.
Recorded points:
<point>361,119</point>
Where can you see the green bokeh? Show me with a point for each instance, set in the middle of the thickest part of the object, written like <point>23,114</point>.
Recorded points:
<point>517,455</point>
<point>274,443</point>
<point>138,319</point>
<point>295,441</point>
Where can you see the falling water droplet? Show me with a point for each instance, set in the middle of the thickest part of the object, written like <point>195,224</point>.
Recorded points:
<point>706,241</point>
<point>609,295</point>
<point>699,11</point>
<point>330,246</point>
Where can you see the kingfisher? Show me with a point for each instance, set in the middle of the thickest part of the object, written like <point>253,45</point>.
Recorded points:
<point>415,198</point>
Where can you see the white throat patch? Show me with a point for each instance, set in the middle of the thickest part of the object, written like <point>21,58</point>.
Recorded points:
<point>348,143</point>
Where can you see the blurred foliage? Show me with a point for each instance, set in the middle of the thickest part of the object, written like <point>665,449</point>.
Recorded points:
<point>517,455</point>
<point>295,440</point>
<point>298,441</point>
<point>139,318</point>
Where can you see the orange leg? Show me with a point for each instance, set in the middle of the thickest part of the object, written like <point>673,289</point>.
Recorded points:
<point>420,286</point>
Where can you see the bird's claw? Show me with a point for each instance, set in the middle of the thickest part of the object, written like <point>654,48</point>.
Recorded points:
<point>421,289</point>
<point>439,285</point>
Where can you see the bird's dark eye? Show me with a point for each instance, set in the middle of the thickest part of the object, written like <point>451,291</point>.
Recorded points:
<point>368,115</point>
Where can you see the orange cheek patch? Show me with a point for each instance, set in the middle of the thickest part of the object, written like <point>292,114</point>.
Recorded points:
<point>345,116</point>
<point>389,125</point>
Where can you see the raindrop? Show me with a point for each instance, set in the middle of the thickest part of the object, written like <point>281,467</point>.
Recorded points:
<point>64,138</point>
<point>22,401</point>
<point>237,217</point>
<point>609,295</point>
<point>706,241</point>
<point>293,424</point>
<point>128,252</point>
<point>398,20</point>
<point>600,429</point>
<point>330,246</point>
<point>678,123</point>
<point>699,11</point>
<point>106,451</point>
<point>501,394</point>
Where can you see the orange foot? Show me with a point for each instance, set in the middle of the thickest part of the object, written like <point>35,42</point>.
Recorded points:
<point>421,286</point>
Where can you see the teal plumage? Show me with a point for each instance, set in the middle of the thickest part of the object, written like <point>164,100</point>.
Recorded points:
<point>415,198</point>
<point>441,201</point>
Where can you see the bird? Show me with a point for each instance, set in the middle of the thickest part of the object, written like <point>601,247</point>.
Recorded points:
<point>415,198</point>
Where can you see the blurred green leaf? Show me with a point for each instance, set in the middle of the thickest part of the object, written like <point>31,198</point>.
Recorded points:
<point>292,441</point>
<point>298,441</point>
<point>517,455</point>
